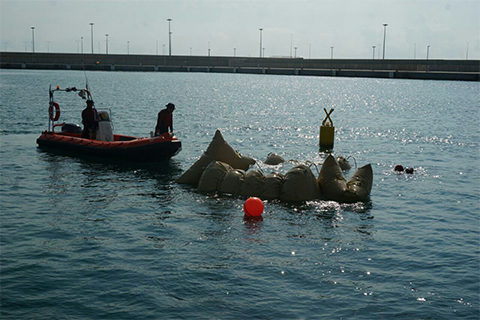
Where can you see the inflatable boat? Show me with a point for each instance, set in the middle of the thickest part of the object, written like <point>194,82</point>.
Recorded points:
<point>104,144</point>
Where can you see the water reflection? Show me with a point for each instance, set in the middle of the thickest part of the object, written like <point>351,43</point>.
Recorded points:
<point>101,182</point>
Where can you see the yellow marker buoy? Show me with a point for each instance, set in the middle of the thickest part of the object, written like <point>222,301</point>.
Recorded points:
<point>327,131</point>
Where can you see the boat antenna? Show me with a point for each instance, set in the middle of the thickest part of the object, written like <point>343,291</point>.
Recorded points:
<point>86,81</point>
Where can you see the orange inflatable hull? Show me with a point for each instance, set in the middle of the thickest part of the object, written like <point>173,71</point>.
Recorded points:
<point>125,148</point>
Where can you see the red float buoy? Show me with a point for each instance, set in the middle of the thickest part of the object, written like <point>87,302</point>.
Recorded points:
<point>253,207</point>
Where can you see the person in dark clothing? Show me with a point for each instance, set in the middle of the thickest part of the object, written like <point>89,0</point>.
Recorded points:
<point>88,120</point>
<point>165,120</point>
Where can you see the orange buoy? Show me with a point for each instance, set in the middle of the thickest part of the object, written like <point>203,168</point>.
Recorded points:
<point>253,207</point>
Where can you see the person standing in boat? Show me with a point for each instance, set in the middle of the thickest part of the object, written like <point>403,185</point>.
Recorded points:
<point>165,120</point>
<point>88,120</point>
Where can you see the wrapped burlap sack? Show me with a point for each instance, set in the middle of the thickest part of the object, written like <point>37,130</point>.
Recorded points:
<point>274,159</point>
<point>232,182</point>
<point>300,184</point>
<point>360,184</point>
<point>272,186</point>
<point>343,163</point>
<point>220,150</point>
<point>334,186</point>
<point>213,176</point>
<point>193,174</point>
<point>253,184</point>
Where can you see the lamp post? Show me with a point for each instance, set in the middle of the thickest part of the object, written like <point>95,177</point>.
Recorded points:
<point>81,38</point>
<point>128,47</point>
<point>234,52</point>
<point>157,47</point>
<point>169,38</point>
<point>260,41</point>
<point>291,44</point>
<point>163,49</point>
<point>384,38</point>
<point>428,51</point>
<point>106,43</point>
<point>331,53</point>
<point>91,34</point>
<point>295,51</point>
<point>33,39</point>
<point>209,48</point>
<point>467,52</point>
<point>373,47</point>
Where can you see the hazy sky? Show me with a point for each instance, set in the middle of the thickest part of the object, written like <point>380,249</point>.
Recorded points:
<point>351,27</point>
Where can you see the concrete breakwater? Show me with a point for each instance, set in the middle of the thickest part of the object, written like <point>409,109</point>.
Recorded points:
<point>464,70</point>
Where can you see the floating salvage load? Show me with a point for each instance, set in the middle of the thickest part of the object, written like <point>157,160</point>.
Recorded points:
<point>222,169</point>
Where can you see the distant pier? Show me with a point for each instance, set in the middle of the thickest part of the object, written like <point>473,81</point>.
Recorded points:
<point>460,70</point>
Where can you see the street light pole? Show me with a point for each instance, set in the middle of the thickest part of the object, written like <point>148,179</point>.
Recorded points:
<point>428,51</point>
<point>384,38</point>
<point>82,43</point>
<point>106,43</point>
<point>91,35</point>
<point>48,46</point>
<point>295,52</point>
<point>291,44</point>
<point>234,52</point>
<point>467,52</point>
<point>169,38</point>
<point>331,53</point>
<point>260,41</point>
<point>373,52</point>
<point>128,47</point>
<point>33,39</point>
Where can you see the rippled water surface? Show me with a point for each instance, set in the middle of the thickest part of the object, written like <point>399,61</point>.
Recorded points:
<point>88,239</point>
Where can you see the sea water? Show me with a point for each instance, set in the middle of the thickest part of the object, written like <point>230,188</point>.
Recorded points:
<point>83,238</point>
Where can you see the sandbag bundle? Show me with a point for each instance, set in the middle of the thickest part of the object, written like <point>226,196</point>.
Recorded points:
<point>218,150</point>
<point>224,170</point>
<point>334,186</point>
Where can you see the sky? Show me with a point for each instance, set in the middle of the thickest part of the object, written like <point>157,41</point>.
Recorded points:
<point>450,29</point>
